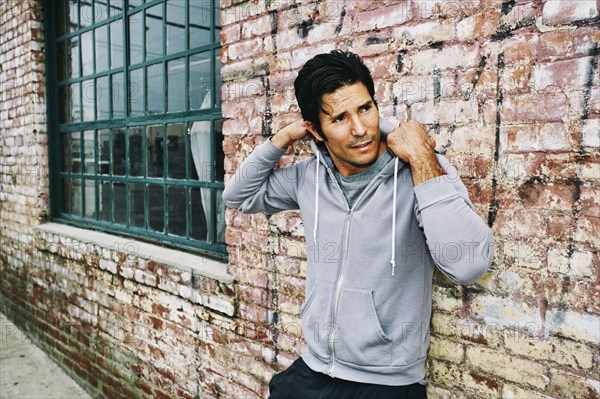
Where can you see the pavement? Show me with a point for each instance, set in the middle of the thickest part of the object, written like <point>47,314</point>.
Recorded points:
<point>28,373</point>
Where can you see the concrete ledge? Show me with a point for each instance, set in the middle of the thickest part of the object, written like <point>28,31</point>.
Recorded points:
<point>180,260</point>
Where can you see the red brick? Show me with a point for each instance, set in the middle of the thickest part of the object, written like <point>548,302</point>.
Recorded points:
<point>383,17</point>
<point>520,49</point>
<point>547,137</point>
<point>562,74</point>
<point>554,44</point>
<point>230,34</point>
<point>584,39</point>
<point>540,107</point>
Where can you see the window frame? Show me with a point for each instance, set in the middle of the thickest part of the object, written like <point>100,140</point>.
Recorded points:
<point>128,122</point>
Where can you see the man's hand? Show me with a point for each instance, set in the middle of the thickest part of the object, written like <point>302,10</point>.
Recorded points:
<point>292,132</point>
<point>410,143</point>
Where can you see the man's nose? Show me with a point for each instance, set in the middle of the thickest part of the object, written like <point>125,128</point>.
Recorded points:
<point>358,127</point>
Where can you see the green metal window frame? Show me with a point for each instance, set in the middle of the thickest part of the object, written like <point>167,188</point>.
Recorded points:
<point>67,138</point>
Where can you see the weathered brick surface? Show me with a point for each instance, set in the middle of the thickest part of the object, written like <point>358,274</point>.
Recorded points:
<point>509,89</point>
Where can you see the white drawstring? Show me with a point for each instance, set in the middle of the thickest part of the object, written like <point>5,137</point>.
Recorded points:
<point>316,197</point>
<point>393,260</point>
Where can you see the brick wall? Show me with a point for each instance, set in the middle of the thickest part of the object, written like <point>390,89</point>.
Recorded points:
<point>511,92</point>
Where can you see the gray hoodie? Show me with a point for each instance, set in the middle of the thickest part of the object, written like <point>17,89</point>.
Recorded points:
<point>367,305</point>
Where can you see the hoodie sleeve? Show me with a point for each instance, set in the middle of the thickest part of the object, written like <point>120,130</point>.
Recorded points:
<point>460,242</point>
<point>257,187</point>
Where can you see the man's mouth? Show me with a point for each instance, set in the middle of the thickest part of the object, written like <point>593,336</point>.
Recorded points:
<point>364,144</point>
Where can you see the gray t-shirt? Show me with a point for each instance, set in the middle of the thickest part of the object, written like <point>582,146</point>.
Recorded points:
<point>353,185</point>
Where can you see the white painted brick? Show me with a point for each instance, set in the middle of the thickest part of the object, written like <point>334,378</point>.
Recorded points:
<point>556,12</point>
<point>570,324</point>
<point>591,133</point>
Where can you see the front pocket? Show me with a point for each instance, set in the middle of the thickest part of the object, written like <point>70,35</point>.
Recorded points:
<point>316,319</point>
<point>360,338</point>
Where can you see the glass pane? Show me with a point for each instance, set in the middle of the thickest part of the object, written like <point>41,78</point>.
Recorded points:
<point>217,78</point>
<point>116,7</point>
<point>64,195</point>
<point>86,11</point>
<point>136,205</point>
<point>154,151</point>
<point>136,92</point>
<point>118,95</point>
<point>156,211</point>
<point>118,151</point>
<point>176,215</point>
<point>135,38</point>
<point>176,85</point>
<point>72,60</point>
<point>90,199</point>
<point>65,152</point>
<point>89,99</point>
<point>89,158</point>
<point>220,217</point>
<point>73,17</point>
<point>104,202</point>
<point>176,150</point>
<point>101,49</point>
<point>63,103</point>
<point>200,81</point>
<point>175,26</point>
<point>87,53</point>
<point>218,151</point>
<point>200,19</point>
<point>154,32</point>
<point>119,215</point>
<point>200,151</point>
<point>199,213</point>
<point>74,104</point>
<point>156,91</point>
<point>136,148</point>
<point>75,146</point>
<point>102,98</point>
<point>104,152</point>
<point>116,44</point>
<point>100,10</point>
<point>76,197</point>
<point>135,3</point>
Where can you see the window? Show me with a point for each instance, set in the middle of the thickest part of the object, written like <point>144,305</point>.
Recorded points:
<point>135,134</point>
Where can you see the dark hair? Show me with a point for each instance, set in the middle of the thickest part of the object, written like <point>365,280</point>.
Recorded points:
<point>324,74</point>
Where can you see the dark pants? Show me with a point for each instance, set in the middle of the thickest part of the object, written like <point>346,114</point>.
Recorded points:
<point>300,382</point>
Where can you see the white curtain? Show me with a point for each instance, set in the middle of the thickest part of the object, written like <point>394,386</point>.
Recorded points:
<point>201,154</point>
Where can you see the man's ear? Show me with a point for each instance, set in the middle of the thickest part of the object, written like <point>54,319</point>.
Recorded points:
<point>310,127</point>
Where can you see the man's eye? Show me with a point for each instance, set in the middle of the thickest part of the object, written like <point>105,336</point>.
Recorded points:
<point>366,108</point>
<point>338,119</point>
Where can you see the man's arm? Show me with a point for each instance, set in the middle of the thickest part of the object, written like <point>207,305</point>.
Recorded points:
<point>459,241</point>
<point>256,186</point>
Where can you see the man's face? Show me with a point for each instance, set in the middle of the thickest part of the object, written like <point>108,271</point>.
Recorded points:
<point>351,126</point>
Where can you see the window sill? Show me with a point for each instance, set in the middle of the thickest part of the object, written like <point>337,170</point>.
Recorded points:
<point>202,280</point>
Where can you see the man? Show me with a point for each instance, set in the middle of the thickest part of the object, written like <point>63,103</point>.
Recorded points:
<point>382,210</point>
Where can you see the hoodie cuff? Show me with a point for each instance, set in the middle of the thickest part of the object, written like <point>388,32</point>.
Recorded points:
<point>434,190</point>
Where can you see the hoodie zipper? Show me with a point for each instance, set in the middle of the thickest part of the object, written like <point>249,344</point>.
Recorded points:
<point>340,281</point>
